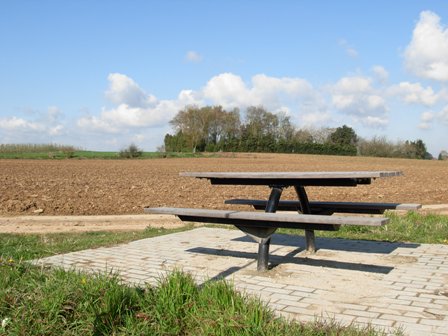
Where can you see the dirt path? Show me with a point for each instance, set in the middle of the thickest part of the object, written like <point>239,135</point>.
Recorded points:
<point>54,224</point>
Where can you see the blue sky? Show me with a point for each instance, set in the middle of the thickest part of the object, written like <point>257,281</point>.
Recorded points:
<point>103,74</point>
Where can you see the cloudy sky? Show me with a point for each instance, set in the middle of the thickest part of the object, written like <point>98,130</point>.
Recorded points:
<point>102,74</point>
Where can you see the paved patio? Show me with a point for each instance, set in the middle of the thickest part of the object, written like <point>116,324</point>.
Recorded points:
<point>389,285</point>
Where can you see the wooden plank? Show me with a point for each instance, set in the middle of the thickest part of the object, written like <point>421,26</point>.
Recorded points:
<point>408,206</point>
<point>349,207</point>
<point>293,175</point>
<point>270,217</point>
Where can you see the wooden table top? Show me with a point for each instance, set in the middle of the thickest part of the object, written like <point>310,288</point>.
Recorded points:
<point>293,175</point>
<point>286,179</point>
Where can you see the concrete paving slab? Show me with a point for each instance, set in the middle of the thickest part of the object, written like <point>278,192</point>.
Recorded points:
<point>389,285</point>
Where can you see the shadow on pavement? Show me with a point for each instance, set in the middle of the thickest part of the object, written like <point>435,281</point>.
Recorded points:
<point>337,244</point>
<point>277,260</point>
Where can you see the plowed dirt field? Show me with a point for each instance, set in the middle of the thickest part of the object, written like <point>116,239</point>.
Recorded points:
<point>114,187</point>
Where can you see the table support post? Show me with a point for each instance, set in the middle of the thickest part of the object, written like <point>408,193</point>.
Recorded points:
<point>263,244</point>
<point>305,205</point>
<point>263,254</point>
<point>274,198</point>
<point>310,241</point>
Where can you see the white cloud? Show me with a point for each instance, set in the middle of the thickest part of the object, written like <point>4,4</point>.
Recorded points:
<point>56,130</point>
<point>380,73</point>
<point>45,123</point>
<point>426,119</point>
<point>20,124</point>
<point>139,138</point>
<point>350,50</point>
<point>134,107</point>
<point>227,90</point>
<point>348,85</point>
<point>97,124</point>
<point>193,56</point>
<point>427,53</point>
<point>443,94</point>
<point>189,97</point>
<point>376,122</point>
<point>123,90</point>
<point>272,91</point>
<point>296,96</point>
<point>427,116</point>
<point>357,97</point>
<point>315,119</point>
<point>414,93</point>
<point>443,115</point>
<point>124,116</point>
<point>53,113</point>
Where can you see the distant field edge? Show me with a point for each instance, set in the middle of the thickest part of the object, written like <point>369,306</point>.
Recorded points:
<point>103,155</point>
<point>60,155</point>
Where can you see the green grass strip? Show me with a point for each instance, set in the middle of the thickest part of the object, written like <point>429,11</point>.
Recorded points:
<point>32,246</point>
<point>410,227</point>
<point>78,154</point>
<point>35,301</point>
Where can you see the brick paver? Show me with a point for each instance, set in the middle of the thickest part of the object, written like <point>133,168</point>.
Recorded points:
<point>389,285</point>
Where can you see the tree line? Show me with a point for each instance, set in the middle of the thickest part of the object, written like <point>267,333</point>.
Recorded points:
<point>213,129</point>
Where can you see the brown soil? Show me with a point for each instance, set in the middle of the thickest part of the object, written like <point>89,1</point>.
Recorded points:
<point>118,187</point>
<point>58,224</point>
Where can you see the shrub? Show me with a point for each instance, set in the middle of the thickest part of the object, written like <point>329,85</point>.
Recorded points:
<point>132,151</point>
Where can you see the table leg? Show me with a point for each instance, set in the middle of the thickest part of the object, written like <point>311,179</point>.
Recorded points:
<point>305,205</point>
<point>263,254</point>
<point>263,244</point>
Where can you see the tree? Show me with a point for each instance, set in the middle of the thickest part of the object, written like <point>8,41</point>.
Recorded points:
<point>377,146</point>
<point>206,127</point>
<point>321,135</point>
<point>414,149</point>
<point>260,132</point>
<point>420,149</point>
<point>443,155</point>
<point>211,128</point>
<point>304,136</point>
<point>225,125</point>
<point>260,122</point>
<point>191,123</point>
<point>345,136</point>
<point>176,143</point>
<point>286,130</point>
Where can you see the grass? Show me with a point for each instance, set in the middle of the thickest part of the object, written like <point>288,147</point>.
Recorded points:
<point>40,301</point>
<point>145,155</point>
<point>79,154</point>
<point>58,152</point>
<point>411,227</point>
<point>34,148</point>
<point>36,301</point>
<point>32,246</point>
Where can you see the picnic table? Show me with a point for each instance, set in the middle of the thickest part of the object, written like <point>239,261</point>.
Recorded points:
<point>309,215</point>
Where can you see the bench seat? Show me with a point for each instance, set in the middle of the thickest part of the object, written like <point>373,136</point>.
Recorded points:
<point>263,219</point>
<point>330,207</point>
<point>261,225</point>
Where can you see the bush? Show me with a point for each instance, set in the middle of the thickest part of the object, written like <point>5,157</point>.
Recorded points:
<point>131,152</point>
